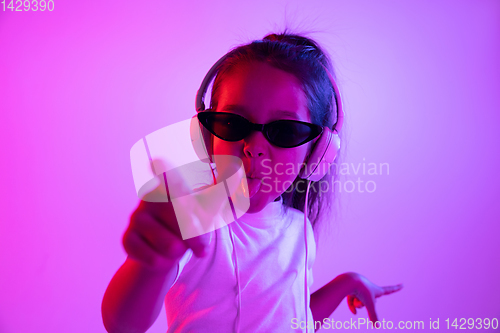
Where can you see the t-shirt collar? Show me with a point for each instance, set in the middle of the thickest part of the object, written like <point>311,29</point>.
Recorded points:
<point>267,217</point>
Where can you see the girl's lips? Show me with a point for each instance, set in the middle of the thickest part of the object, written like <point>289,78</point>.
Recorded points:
<point>253,186</point>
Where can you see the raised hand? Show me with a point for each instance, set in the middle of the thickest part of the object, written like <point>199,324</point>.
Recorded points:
<point>153,237</point>
<point>366,293</point>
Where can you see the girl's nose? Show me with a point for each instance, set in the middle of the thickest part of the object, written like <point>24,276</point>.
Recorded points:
<point>255,144</point>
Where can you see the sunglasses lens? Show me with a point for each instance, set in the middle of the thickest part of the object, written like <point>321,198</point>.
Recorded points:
<point>289,134</point>
<point>226,126</point>
<point>281,133</point>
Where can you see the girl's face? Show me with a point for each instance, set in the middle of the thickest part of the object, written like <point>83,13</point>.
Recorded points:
<point>262,94</point>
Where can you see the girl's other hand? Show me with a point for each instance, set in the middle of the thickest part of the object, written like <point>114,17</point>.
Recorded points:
<point>365,294</point>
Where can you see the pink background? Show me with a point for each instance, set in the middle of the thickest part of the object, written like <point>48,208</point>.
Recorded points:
<point>81,84</point>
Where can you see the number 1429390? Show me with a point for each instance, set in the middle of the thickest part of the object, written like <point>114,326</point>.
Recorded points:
<point>27,5</point>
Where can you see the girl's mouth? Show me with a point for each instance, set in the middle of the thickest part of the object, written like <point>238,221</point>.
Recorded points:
<point>253,186</point>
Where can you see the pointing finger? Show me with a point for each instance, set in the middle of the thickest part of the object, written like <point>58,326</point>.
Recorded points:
<point>370,307</point>
<point>390,289</point>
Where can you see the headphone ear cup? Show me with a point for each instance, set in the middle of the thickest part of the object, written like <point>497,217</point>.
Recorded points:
<point>201,140</point>
<point>322,156</point>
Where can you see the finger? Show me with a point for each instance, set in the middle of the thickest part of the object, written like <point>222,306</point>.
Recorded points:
<point>139,250</point>
<point>159,238</point>
<point>370,307</point>
<point>350,303</point>
<point>162,212</point>
<point>168,242</point>
<point>199,244</point>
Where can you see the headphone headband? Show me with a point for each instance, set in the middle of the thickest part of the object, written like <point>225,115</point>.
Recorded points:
<point>202,91</point>
<point>338,101</point>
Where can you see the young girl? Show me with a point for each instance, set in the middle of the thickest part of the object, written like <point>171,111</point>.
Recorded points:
<point>274,105</point>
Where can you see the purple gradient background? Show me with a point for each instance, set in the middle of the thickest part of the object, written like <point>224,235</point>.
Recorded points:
<point>80,85</point>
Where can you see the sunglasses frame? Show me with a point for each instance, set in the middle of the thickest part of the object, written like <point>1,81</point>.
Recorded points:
<point>316,130</point>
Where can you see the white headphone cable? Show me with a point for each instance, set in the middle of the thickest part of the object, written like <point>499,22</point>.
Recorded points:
<point>237,278</point>
<point>235,256</point>
<point>305,265</point>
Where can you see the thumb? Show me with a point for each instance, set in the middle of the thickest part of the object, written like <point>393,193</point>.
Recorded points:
<point>350,303</point>
<point>199,244</point>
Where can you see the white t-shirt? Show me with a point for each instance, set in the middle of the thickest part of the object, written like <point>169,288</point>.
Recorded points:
<point>270,252</point>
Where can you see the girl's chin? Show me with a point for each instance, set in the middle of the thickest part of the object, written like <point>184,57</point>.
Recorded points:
<point>258,202</point>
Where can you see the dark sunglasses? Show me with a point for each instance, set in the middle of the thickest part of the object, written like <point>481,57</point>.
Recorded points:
<point>281,133</point>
